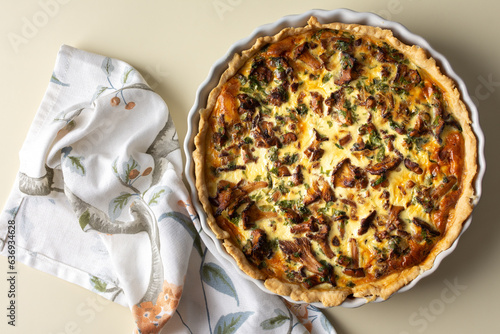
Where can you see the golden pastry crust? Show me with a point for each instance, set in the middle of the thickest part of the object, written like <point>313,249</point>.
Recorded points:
<point>290,244</point>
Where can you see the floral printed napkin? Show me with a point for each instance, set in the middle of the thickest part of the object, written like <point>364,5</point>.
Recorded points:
<point>99,201</point>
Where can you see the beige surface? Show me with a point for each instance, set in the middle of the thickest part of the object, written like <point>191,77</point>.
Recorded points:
<point>169,43</point>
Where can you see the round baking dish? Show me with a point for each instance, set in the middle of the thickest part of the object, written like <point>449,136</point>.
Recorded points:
<point>323,16</point>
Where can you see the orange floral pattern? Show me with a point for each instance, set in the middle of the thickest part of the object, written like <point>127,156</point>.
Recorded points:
<point>150,318</point>
<point>302,314</point>
<point>189,207</point>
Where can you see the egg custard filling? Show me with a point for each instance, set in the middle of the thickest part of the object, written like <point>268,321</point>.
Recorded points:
<point>334,160</point>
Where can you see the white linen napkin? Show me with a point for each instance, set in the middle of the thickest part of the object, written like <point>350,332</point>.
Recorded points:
<point>99,201</point>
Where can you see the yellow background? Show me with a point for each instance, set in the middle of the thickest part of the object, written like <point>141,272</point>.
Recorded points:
<point>173,44</point>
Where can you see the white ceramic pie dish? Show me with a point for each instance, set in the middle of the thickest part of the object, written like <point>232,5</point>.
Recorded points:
<point>323,16</point>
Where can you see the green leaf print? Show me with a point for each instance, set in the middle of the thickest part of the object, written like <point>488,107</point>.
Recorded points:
<point>155,197</point>
<point>276,321</point>
<point>230,323</point>
<point>126,75</point>
<point>55,80</point>
<point>128,167</point>
<point>84,219</point>
<point>152,196</point>
<point>186,222</point>
<point>74,163</point>
<point>77,164</point>
<point>98,284</point>
<point>128,173</point>
<point>115,169</point>
<point>107,66</point>
<point>117,204</point>
<point>99,90</point>
<point>217,278</point>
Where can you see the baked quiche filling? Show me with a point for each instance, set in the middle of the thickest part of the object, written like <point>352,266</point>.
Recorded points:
<point>332,160</point>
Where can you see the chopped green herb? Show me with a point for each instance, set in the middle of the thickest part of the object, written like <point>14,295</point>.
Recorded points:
<point>379,180</point>
<point>248,140</point>
<point>302,109</point>
<point>286,204</point>
<point>269,180</point>
<point>342,45</point>
<point>243,80</point>
<point>273,154</point>
<point>290,159</point>
<point>283,189</point>
<point>235,220</point>
<point>380,154</point>
<point>326,77</point>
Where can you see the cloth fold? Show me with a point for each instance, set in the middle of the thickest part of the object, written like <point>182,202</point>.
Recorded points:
<point>99,201</point>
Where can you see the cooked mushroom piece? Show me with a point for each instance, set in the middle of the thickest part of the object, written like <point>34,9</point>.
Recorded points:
<point>425,226</point>
<point>251,213</point>
<point>424,198</point>
<point>247,104</point>
<point>313,194</point>
<point>288,138</point>
<point>247,154</point>
<point>229,168</point>
<point>345,140</point>
<point>226,225</point>
<point>337,102</point>
<point>302,53</point>
<point>346,175</point>
<point>261,72</point>
<point>393,218</point>
<point>446,185</point>
<point>297,176</point>
<point>316,103</point>
<point>354,272</point>
<point>347,73</point>
<point>278,96</point>
<point>326,191</point>
<point>307,226</point>
<point>314,152</point>
<point>406,76</point>
<point>312,281</point>
<point>220,136</point>
<point>259,246</point>
<point>420,127</point>
<point>335,241</point>
<point>228,196</point>
<point>292,216</point>
<point>413,166</point>
<point>321,237</point>
<point>366,222</point>
<point>300,248</point>
<point>383,55</point>
<point>248,187</point>
<point>263,133</point>
<point>439,117</point>
<point>386,165</point>
<point>353,248</point>
<point>344,261</point>
<point>283,171</point>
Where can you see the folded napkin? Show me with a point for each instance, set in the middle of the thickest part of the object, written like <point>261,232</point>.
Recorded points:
<point>99,201</point>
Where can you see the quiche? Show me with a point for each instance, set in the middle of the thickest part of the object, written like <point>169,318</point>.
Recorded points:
<point>333,160</point>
